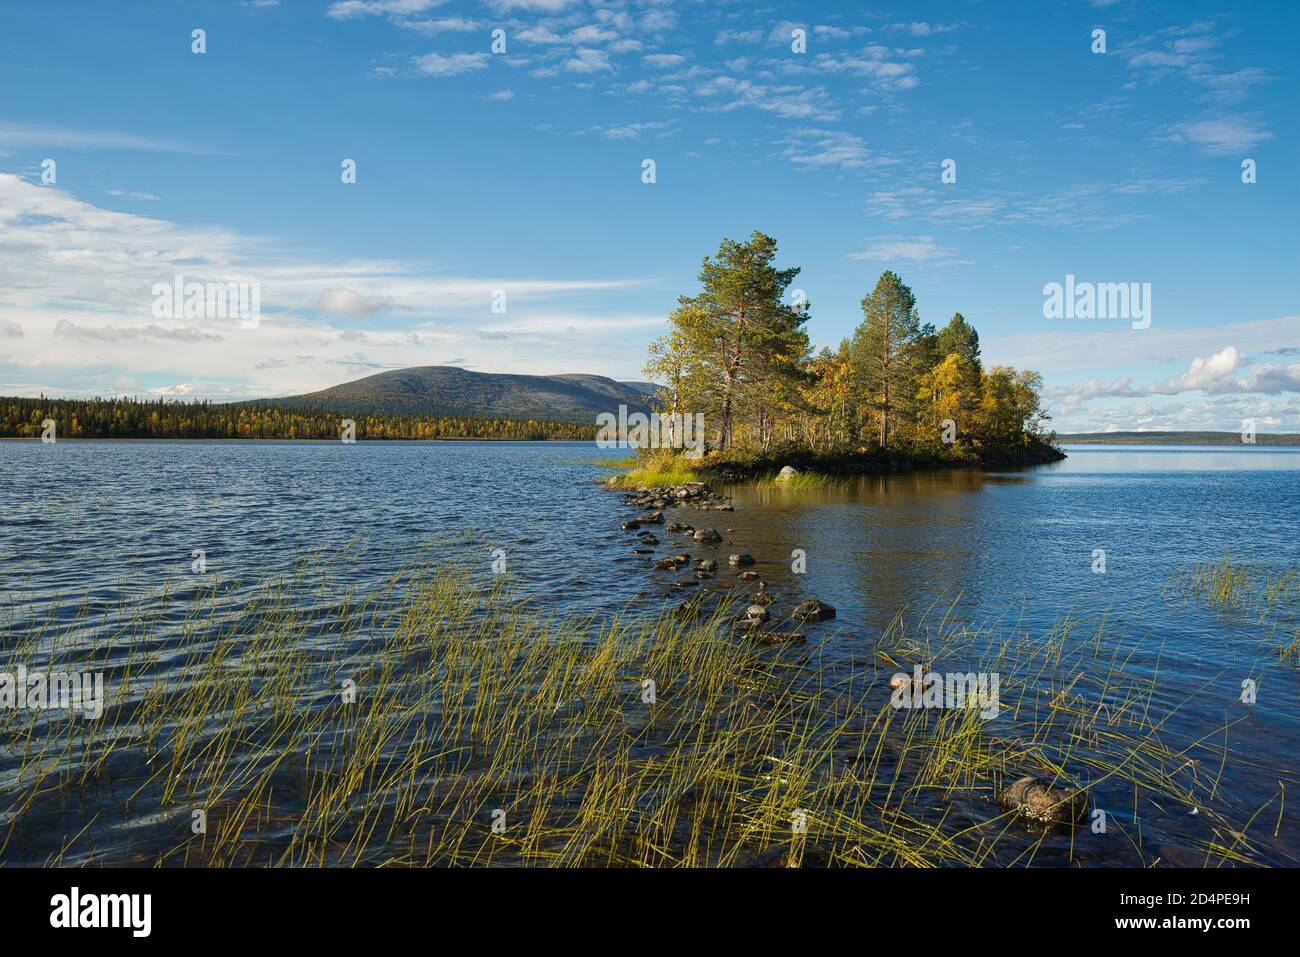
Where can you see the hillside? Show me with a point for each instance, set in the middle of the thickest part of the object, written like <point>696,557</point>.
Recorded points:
<point>449,391</point>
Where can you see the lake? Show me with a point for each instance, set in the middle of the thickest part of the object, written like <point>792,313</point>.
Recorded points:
<point>93,532</point>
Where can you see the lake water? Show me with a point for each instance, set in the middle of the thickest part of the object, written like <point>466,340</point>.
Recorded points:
<point>105,525</point>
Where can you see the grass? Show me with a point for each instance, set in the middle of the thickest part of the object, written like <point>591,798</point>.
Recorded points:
<point>803,481</point>
<point>1222,584</point>
<point>657,469</point>
<point>1272,597</point>
<point>472,709</point>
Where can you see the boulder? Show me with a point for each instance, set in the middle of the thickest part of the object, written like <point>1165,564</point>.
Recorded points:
<point>812,610</point>
<point>787,472</point>
<point>1038,800</point>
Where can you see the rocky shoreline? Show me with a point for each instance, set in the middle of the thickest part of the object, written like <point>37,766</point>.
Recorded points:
<point>707,578</point>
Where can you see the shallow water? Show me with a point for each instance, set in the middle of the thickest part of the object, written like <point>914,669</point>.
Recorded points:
<point>87,524</point>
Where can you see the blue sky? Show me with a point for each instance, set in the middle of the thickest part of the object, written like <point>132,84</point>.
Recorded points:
<point>522,171</point>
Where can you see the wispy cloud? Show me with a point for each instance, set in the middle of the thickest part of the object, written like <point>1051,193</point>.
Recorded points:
<point>41,135</point>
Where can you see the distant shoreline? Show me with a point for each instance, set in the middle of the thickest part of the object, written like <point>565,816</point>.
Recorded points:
<point>1177,438</point>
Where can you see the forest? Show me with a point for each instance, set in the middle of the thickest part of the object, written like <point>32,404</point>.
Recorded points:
<point>738,351</point>
<point>128,418</point>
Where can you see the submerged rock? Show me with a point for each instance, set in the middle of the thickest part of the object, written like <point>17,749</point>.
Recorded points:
<point>1036,799</point>
<point>749,576</point>
<point>776,637</point>
<point>812,610</point>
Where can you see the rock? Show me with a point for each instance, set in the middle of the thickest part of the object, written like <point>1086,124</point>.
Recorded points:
<point>763,597</point>
<point>649,540</point>
<point>678,527</point>
<point>652,518</point>
<point>787,472</point>
<point>724,508</point>
<point>776,637</point>
<point>630,525</point>
<point>756,613</point>
<point>708,535</point>
<point>1037,799</point>
<point>673,562</point>
<point>898,681</point>
<point>706,565</point>
<point>643,551</point>
<point>748,576</point>
<point>812,610</point>
<point>741,559</point>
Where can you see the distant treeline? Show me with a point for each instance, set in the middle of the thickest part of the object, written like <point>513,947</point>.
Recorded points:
<point>171,419</point>
<point>1176,438</point>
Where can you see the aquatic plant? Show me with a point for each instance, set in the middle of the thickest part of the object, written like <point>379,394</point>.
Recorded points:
<point>439,720</point>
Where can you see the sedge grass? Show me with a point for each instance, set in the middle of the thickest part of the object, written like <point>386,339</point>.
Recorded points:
<point>437,720</point>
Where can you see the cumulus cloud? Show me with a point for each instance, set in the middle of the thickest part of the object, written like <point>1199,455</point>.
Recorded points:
<point>1207,375</point>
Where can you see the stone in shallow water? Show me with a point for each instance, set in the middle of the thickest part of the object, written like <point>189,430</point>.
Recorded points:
<point>812,610</point>
<point>1039,800</point>
<point>741,559</point>
<point>708,535</point>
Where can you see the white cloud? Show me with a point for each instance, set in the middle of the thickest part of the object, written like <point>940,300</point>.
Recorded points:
<point>664,61</point>
<point>823,149</point>
<point>348,9</point>
<point>349,302</point>
<point>588,60</point>
<point>76,299</point>
<point>922,250</point>
<point>1221,134</point>
<point>1206,375</point>
<point>18,134</point>
<point>436,64</point>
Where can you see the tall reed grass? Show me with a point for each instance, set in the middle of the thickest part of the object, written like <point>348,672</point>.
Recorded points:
<point>486,733</point>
